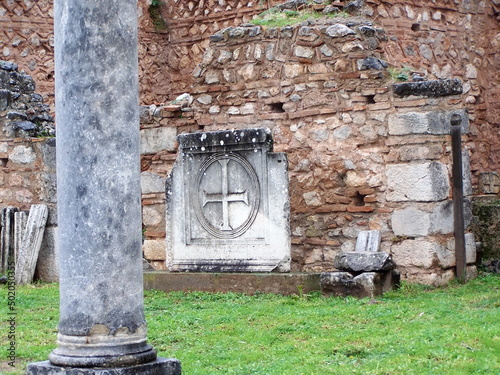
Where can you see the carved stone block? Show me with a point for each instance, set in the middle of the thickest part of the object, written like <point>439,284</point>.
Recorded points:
<point>227,204</point>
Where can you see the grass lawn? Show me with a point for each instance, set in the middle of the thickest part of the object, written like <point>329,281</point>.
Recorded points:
<point>416,330</point>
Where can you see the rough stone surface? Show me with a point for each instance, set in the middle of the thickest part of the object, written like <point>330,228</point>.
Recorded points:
<point>157,139</point>
<point>410,222</point>
<point>234,215</point>
<point>441,218</point>
<point>425,122</point>
<point>426,254</point>
<point>489,183</point>
<point>152,183</point>
<point>343,95</point>
<point>22,155</point>
<point>433,89</point>
<point>161,366</point>
<point>486,226</point>
<point>425,182</point>
<point>154,249</point>
<point>368,284</point>
<point>363,261</point>
<point>339,30</point>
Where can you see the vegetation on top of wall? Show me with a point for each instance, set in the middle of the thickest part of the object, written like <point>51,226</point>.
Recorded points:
<point>155,14</point>
<point>277,17</point>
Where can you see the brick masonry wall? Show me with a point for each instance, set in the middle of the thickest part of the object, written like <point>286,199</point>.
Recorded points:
<point>445,38</point>
<point>360,157</point>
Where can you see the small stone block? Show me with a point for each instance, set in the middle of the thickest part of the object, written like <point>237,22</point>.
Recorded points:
<point>161,366</point>
<point>368,284</point>
<point>368,240</point>
<point>489,183</point>
<point>364,261</point>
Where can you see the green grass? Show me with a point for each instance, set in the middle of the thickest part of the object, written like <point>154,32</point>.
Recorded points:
<point>416,330</point>
<point>277,18</point>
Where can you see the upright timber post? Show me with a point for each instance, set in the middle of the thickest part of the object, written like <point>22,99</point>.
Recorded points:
<point>458,196</point>
<point>102,328</point>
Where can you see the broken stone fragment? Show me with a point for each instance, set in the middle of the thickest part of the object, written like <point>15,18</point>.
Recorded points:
<point>338,30</point>
<point>353,5</point>
<point>364,261</point>
<point>371,63</point>
<point>369,284</point>
<point>23,125</point>
<point>7,65</point>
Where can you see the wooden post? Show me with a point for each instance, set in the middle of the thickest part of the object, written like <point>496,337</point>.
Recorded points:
<point>458,196</point>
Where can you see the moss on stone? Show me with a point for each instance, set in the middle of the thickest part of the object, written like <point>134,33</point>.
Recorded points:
<point>486,226</point>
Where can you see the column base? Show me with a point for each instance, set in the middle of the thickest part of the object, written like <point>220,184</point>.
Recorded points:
<point>161,366</point>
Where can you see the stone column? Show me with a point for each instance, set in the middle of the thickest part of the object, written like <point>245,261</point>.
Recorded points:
<point>102,322</point>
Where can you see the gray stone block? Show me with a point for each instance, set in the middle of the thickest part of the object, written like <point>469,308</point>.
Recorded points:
<point>363,261</point>
<point>158,139</point>
<point>423,182</point>
<point>22,155</point>
<point>368,284</point>
<point>428,254</point>
<point>425,122</point>
<point>152,183</point>
<point>441,218</point>
<point>161,366</point>
<point>410,222</point>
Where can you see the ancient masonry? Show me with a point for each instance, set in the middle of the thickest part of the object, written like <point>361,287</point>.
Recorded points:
<point>443,38</point>
<point>361,156</point>
<point>362,152</point>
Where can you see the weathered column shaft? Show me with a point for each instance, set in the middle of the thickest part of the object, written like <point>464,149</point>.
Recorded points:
<point>98,172</point>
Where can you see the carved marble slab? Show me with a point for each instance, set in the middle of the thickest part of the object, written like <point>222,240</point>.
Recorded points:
<point>228,204</point>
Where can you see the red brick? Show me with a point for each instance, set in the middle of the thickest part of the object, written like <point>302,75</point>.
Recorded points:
<point>305,113</point>
<point>360,209</point>
<point>366,191</point>
<point>331,208</point>
<point>315,241</point>
<point>333,243</point>
<point>148,233</point>
<point>379,106</point>
<point>410,103</point>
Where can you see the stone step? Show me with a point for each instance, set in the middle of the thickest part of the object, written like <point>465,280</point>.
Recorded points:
<point>330,283</point>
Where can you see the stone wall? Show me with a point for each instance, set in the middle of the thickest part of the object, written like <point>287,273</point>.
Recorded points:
<point>354,145</point>
<point>445,38</point>
<point>27,156</point>
<point>360,156</point>
<point>168,52</point>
